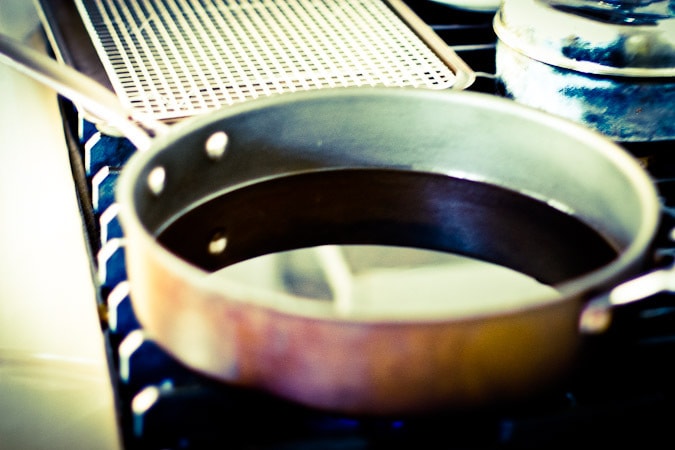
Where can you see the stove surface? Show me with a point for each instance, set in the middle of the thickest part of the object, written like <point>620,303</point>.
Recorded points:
<point>55,387</point>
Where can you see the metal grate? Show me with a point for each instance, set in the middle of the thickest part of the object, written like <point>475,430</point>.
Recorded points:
<point>177,58</point>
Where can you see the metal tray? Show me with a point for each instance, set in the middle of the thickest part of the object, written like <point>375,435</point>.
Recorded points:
<point>172,59</point>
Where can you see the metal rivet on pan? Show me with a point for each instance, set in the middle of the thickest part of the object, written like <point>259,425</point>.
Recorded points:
<point>156,180</point>
<point>218,243</point>
<point>216,145</point>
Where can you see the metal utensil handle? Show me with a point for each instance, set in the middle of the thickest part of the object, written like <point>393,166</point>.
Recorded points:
<point>80,89</point>
<point>596,315</point>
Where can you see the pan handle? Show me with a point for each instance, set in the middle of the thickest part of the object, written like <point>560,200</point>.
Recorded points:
<point>597,313</point>
<point>82,90</point>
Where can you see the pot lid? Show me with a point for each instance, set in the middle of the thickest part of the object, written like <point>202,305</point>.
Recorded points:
<point>611,37</point>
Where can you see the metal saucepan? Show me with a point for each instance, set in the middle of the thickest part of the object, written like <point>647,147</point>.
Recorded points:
<point>609,65</point>
<point>452,171</point>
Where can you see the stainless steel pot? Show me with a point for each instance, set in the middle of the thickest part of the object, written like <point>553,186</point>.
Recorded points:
<point>607,65</point>
<point>453,171</point>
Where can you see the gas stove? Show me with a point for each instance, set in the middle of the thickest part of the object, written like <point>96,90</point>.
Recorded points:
<point>621,393</point>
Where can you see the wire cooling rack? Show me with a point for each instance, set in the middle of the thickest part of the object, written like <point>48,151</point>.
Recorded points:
<point>177,58</point>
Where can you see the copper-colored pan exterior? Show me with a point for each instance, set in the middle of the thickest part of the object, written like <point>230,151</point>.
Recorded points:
<point>303,351</point>
<point>357,367</point>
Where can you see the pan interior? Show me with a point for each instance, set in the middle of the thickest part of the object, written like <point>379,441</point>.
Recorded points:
<point>382,214</point>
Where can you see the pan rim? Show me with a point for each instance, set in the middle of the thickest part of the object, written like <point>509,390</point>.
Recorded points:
<point>628,263</point>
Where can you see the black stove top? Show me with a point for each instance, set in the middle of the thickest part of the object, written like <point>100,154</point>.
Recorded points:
<point>621,393</point>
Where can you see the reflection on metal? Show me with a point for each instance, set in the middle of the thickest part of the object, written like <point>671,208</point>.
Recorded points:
<point>579,35</point>
<point>369,279</point>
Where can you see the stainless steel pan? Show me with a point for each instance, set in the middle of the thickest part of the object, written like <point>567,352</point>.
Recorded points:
<point>451,171</point>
